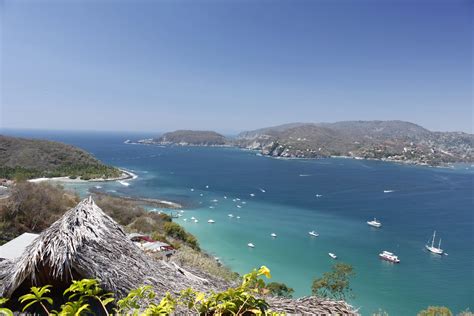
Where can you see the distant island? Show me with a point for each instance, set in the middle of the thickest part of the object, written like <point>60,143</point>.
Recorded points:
<point>22,158</point>
<point>189,138</point>
<point>396,141</point>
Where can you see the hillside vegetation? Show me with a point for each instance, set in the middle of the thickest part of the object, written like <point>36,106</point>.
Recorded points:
<point>193,138</point>
<point>384,140</point>
<point>32,158</point>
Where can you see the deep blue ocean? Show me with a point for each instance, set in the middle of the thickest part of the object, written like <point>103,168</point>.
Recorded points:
<point>351,192</point>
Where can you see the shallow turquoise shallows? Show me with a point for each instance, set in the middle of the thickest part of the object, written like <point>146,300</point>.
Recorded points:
<point>334,197</point>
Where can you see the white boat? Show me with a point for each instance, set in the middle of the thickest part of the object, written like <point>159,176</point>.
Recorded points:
<point>215,201</point>
<point>192,190</point>
<point>207,187</point>
<point>387,191</point>
<point>273,235</point>
<point>374,223</point>
<point>211,221</point>
<point>262,190</point>
<point>313,233</point>
<point>332,255</point>
<point>239,206</point>
<point>319,195</point>
<point>193,218</point>
<point>196,221</point>
<point>432,248</point>
<point>251,194</point>
<point>230,215</point>
<point>185,219</point>
<point>389,256</point>
<point>251,245</point>
<point>238,217</point>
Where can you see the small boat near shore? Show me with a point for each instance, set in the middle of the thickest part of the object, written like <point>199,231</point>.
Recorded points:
<point>313,233</point>
<point>273,235</point>
<point>389,256</point>
<point>432,248</point>
<point>230,215</point>
<point>211,221</point>
<point>251,245</point>
<point>374,223</point>
<point>332,255</point>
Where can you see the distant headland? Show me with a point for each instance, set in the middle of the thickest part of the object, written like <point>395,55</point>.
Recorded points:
<point>396,141</point>
<point>22,158</point>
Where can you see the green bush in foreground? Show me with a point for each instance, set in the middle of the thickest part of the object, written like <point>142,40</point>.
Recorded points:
<point>240,300</point>
<point>334,284</point>
<point>279,289</point>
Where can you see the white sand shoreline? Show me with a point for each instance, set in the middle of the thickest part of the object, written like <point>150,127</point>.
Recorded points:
<point>126,175</point>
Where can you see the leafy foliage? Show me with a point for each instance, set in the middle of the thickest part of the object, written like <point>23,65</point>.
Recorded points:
<point>241,300</point>
<point>436,311</point>
<point>176,231</point>
<point>334,284</point>
<point>37,296</point>
<point>33,207</point>
<point>3,310</point>
<point>279,289</point>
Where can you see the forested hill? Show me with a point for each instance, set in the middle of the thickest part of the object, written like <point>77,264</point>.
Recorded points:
<point>31,158</point>
<point>192,138</point>
<point>384,140</point>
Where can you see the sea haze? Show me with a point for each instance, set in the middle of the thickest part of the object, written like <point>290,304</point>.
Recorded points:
<point>351,192</point>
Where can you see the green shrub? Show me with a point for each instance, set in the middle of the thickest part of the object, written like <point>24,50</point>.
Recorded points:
<point>279,289</point>
<point>334,284</point>
<point>436,311</point>
<point>239,300</point>
<point>176,231</point>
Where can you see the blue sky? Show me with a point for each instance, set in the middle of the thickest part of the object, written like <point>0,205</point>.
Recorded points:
<point>234,65</point>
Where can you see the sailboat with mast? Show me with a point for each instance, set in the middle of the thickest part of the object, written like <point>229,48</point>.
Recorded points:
<point>432,248</point>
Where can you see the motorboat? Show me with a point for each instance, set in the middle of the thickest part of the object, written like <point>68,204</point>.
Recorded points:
<point>313,233</point>
<point>374,223</point>
<point>332,255</point>
<point>389,256</point>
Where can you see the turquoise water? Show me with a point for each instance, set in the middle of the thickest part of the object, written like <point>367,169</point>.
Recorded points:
<point>423,199</point>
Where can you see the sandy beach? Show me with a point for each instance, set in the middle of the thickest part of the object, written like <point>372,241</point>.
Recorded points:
<point>126,175</point>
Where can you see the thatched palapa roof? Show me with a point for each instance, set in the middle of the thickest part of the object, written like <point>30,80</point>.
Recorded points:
<point>87,243</point>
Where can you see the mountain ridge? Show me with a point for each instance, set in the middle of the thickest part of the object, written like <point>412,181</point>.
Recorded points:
<point>394,140</point>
